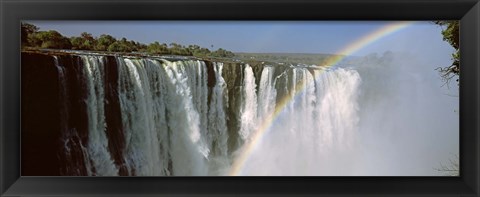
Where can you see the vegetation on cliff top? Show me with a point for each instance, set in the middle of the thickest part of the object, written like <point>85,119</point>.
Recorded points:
<point>451,34</point>
<point>32,38</point>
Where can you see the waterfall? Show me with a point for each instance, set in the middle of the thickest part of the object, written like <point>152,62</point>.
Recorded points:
<point>62,82</point>
<point>173,116</point>
<point>217,126</point>
<point>248,111</point>
<point>266,94</point>
<point>97,145</point>
<point>141,116</point>
<point>313,128</point>
<point>338,93</point>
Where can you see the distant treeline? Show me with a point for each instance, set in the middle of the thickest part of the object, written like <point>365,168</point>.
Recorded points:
<point>289,58</point>
<point>32,38</point>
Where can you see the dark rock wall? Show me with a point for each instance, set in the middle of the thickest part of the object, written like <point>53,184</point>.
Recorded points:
<point>54,117</point>
<point>40,131</point>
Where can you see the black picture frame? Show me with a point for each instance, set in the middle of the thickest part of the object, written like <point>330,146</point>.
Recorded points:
<point>13,11</point>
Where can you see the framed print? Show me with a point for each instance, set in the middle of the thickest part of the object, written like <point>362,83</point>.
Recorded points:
<point>302,98</point>
<point>239,98</point>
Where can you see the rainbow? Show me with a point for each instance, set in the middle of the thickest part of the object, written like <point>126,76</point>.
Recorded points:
<point>256,137</point>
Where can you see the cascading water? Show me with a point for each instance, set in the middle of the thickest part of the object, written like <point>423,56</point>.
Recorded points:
<point>311,128</point>
<point>158,117</point>
<point>217,125</point>
<point>97,140</point>
<point>248,111</point>
<point>174,120</point>
<point>162,114</point>
<point>266,94</point>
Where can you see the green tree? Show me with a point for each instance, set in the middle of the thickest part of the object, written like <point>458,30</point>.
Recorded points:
<point>177,49</point>
<point>85,42</point>
<point>117,46</point>
<point>77,43</point>
<point>51,40</point>
<point>104,41</point>
<point>89,41</point>
<point>122,45</point>
<point>26,30</point>
<point>141,47</point>
<point>198,51</point>
<point>222,53</point>
<point>202,52</point>
<point>451,34</point>
<point>157,48</point>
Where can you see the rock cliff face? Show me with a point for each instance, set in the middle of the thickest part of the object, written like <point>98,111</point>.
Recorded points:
<point>40,117</point>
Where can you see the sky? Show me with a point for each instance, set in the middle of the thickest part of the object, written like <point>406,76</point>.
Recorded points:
<point>265,36</point>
